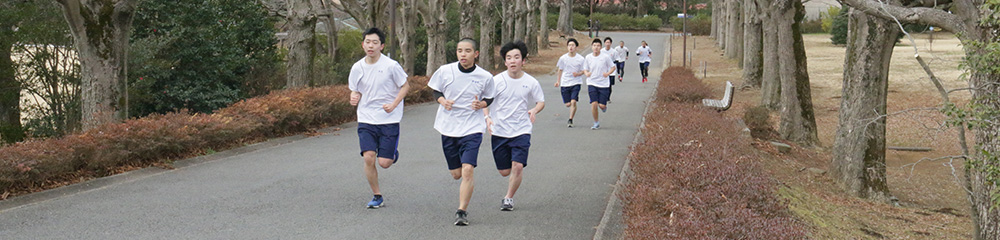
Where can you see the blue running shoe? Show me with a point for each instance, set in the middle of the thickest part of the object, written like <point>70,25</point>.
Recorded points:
<point>376,202</point>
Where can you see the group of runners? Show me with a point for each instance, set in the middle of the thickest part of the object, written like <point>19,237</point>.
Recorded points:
<point>472,101</point>
<point>600,68</point>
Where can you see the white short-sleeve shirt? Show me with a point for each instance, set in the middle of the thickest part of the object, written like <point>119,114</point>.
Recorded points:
<point>379,84</point>
<point>644,53</point>
<point>570,65</point>
<point>598,65</point>
<point>621,53</point>
<point>515,97</point>
<point>462,88</point>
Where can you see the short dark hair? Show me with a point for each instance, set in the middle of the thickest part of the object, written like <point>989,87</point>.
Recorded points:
<point>475,45</point>
<point>519,45</point>
<point>573,40</point>
<point>376,31</point>
<point>597,40</point>
<point>608,39</point>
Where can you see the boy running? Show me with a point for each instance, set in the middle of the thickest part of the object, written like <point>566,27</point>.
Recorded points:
<point>378,86</point>
<point>519,98</point>
<point>644,53</point>
<point>607,50</point>
<point>598,67</point>
<point>463,90</point>
<point>621,55</point>
<point>569,77</point>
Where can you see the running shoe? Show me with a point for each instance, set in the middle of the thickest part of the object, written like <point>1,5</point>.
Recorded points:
<point>508,204</point>
<point>460,218</point>
<point>376,202</point>
<point>596,126</point>
<point>569,123</point>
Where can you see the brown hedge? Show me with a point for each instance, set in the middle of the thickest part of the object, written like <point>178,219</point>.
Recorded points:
<point>693,177</point>
<point>159,138</point>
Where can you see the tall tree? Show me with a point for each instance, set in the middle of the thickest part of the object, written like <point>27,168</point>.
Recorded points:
<point>301,22</point>
<point>734,48</point>
<point>716,14</point>
<point>723,29</point>
<point>325,12</point>
<point>100,30</point>
<point>565,24</point>
<point>520,19</point>
<point>10,89</point>
<point>487,22</point>
<point>530,27</point>
<point>798,121</point>
<point>543,40</point>
<point>770,89</point>
<point>859,148</point>
<point>509,16</point>
<point>406,28</point>
<point>468,18</point>
<point>752,45</point>
<point>976,23</point>
<point>368,13</point>
<point>434,14</point>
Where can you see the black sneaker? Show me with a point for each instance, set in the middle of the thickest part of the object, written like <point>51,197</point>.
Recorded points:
<point>507,204</point>
<point>460,218</point>
<point>569,123</point>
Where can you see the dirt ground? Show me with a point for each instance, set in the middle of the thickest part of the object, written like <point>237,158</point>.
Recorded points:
<point>932,204</point>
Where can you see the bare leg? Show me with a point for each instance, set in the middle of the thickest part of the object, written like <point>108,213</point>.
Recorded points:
<point>465,190</point>
<point>371,172</point>
<point>593,109</point>
<point>572,108</point>
<point>515,179</point>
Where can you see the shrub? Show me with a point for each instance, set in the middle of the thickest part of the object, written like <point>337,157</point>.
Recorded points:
<point>811,26</point>
<point>698,25</point>
<point>158,138</point>
<point>682,86</point>
<point>838,28</point>
<point>827,18</point>
<point>693,179</point>
<point>758,119</point>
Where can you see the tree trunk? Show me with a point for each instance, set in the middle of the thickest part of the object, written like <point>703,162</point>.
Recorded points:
<point>734,43</point>
<point>435,17</point>
<point>468,21</point>
<point>859,148</point>
<point>406,27</point>
<point>565,24</point>
<point>798,123</point>
<point>520,19</point>
<point>487,21</point>
<point>723,24</point>
<point>331,37</point>
<point>531,29</point>
<point>985,163</point>
<point>543,39</point>
<point>770,82</point>
<point>302,42</point>
<point>100,30</point>
<point>752,46</point>
<point>509,16</point>
<point>10,98</point>
<point>716,14</point>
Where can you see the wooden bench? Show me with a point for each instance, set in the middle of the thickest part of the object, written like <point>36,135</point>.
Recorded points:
<point>724,103</point>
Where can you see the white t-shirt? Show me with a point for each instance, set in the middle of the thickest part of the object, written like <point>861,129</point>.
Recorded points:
<point>570,65</point>
<point>515,97</point>
<point>462,88</point>
<point>621,53</point>
<point>611,54</point>
<point>379,84</point>
<point>644,53</point>
<point>598,65</point>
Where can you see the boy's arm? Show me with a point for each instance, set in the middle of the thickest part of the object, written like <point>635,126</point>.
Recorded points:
<point>534,111</point>
<point>399,98</point>
<point>558,77</point>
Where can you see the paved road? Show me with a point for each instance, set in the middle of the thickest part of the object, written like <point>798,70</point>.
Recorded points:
<point>313,188</point>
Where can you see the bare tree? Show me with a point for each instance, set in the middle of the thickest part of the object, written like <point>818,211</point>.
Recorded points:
<point>565,24</point>
<point>487,22</point>
<point>859,148</point>
<point>734,47</point>
<point>520,19</point>
<point>752,45</point>
<point>406,27</point>
<point>531,29</point>
<point>301,22</point>
<point>975,22</point>
<point>468,18</point>
<point>100,30</point>
<point>435,13</point>
<point>368,13</point>
<point>325,10</point>
<point>509,16</point>
<point>723,31</point>
<point>798,121</point>
<point>543,40</point>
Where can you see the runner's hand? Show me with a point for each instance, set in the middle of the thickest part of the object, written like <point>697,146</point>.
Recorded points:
<point>355,98</point>
<point>489,125</point>
<point>531,115</point>
<point>446,103</point>
<point>476,104</point>
<point>388,107</point>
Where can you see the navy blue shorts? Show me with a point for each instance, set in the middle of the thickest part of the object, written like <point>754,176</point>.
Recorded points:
<point>383,139</point>
<point>459,150</point>
<point>612,79</point>
<point>570,93</point>
<point>599,94</point>
<point>506,151</point>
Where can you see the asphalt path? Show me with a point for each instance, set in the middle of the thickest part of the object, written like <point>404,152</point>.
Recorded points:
<point>313,187</point>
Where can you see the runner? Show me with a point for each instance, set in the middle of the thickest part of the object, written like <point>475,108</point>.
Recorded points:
<point>378,86</point>
<point>569,77</point>
<point>621,55</point>
<point>463,90</point>
<point>644,54</point>
<point>598,67</point>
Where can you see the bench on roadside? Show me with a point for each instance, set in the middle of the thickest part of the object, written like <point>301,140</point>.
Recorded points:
<point>724,103</point>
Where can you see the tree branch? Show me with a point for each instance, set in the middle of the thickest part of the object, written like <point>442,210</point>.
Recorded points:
<point>923,15</point>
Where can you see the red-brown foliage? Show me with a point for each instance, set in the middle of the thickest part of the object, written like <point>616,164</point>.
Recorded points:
<point>693,177</point>
<point>679,84</point>
<point>159,138</point>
